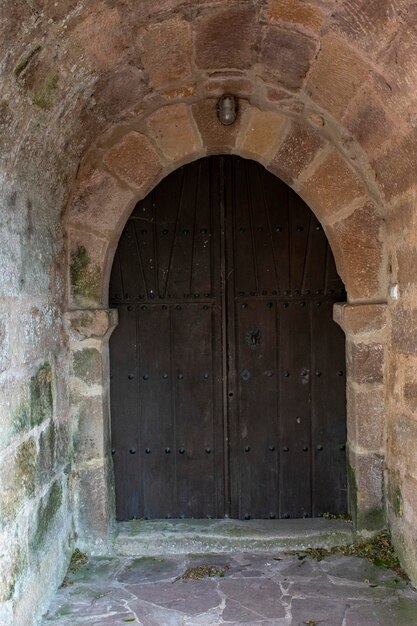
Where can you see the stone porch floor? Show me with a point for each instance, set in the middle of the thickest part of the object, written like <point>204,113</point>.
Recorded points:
<point>255,589</point>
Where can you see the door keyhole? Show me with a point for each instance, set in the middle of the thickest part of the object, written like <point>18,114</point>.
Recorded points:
<point>253,337</point>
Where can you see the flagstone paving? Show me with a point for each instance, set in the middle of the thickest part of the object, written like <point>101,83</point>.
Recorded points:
<point>244,589</point>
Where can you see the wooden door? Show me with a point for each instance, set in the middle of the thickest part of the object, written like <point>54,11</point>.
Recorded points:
<point>227,371</point>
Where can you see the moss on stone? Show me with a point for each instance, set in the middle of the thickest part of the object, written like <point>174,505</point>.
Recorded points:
<point>87,365</point>
<point>62,440</point>
<point>41,400</point>
<point>8,578</point>
<point>78,559</point>
<point>46,448</point>
<point>48,508</point>
<point>44,98</point>
<point>25,60</point>
<point>25,466</point>
<point>21,417</point>
<point>378,550</point>
<point>18,480</point>
<point>394,494</point>
<point>370,519</point>
<point>85,276</point>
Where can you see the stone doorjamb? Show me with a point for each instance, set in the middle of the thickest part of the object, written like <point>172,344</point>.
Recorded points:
<point>94,504</point>
<point>89,332</point>
<point>120,170</point>
<point>365,329</point>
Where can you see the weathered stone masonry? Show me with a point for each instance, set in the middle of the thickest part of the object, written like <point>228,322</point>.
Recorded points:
<point>98,102</point>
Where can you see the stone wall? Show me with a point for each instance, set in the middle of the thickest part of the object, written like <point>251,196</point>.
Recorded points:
<point>35,432</point>
<point>99,100</point>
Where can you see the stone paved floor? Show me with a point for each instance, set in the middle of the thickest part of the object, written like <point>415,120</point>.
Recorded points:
<point>254,590</point>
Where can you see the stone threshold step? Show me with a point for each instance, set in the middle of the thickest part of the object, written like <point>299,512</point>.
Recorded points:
<point>203,536</point>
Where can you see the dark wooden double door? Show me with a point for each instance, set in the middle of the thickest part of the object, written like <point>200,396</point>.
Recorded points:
<point>227,370</point>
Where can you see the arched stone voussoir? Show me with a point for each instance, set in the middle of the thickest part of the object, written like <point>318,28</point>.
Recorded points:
<point>100,204</point>
<point>330,186</point>
<point>174,131</point>
<point>135,160</point>
<point>216,138</point>
<point>299,148</point>
<point>260,133</point>
<point>358,246</point>
<point>337,75</point>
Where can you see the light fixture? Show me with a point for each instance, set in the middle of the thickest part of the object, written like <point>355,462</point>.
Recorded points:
<point>227,108</point>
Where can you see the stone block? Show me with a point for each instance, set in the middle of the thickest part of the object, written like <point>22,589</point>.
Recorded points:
<point>166,49</point>
<point>45,575</point>
<point>39,330</point>
<point>96,324</point>
<point>296,152</point>
<point>18,479</point>
<point>358,319</point>
<point>401,446</point>
<point>366,425</point>
<point>41,400</point>
<point>348,71</point>
<point>94,495</point>
<point>100,37</point>
<point>368,122</point>
<point>406,495</point>
<point>62,443</point>
<point>366,24</point>
<point>395,168</point>
<point>226,37</point>
<point>216,137</point>
<point>358,250</point>
<point>332,186</point>
<point>87,257</point>
<point>405,544</point>
<point>296,12</point>
<point>45,516</point>
<point>13,563</point>
<point>119,90</point>
<point>91,439</point>
<point>262,132</point>
<point>135,160</point>
<point>174,131</point>
<point>393,492</point>
<point>14,408</point>
<point>45,459</point>
<point>406,265</point>
<point>288,55</point>
<point>366,482</point>
<point>87,366</point>
<point>100,203</point>
<point>410,395</point>
<point>365,362</point>
<point>404,329</point>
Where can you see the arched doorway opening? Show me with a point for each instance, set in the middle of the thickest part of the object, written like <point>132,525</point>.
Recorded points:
<point>227,369</point>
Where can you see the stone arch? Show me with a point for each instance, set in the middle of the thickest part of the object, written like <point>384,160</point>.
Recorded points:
<point>132,160</point>
<point>121,169</point>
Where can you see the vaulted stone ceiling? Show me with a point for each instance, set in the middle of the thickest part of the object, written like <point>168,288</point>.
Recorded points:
<point>69,69</point>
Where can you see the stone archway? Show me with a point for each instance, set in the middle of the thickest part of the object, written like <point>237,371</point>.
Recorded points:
<point>120,170</point>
